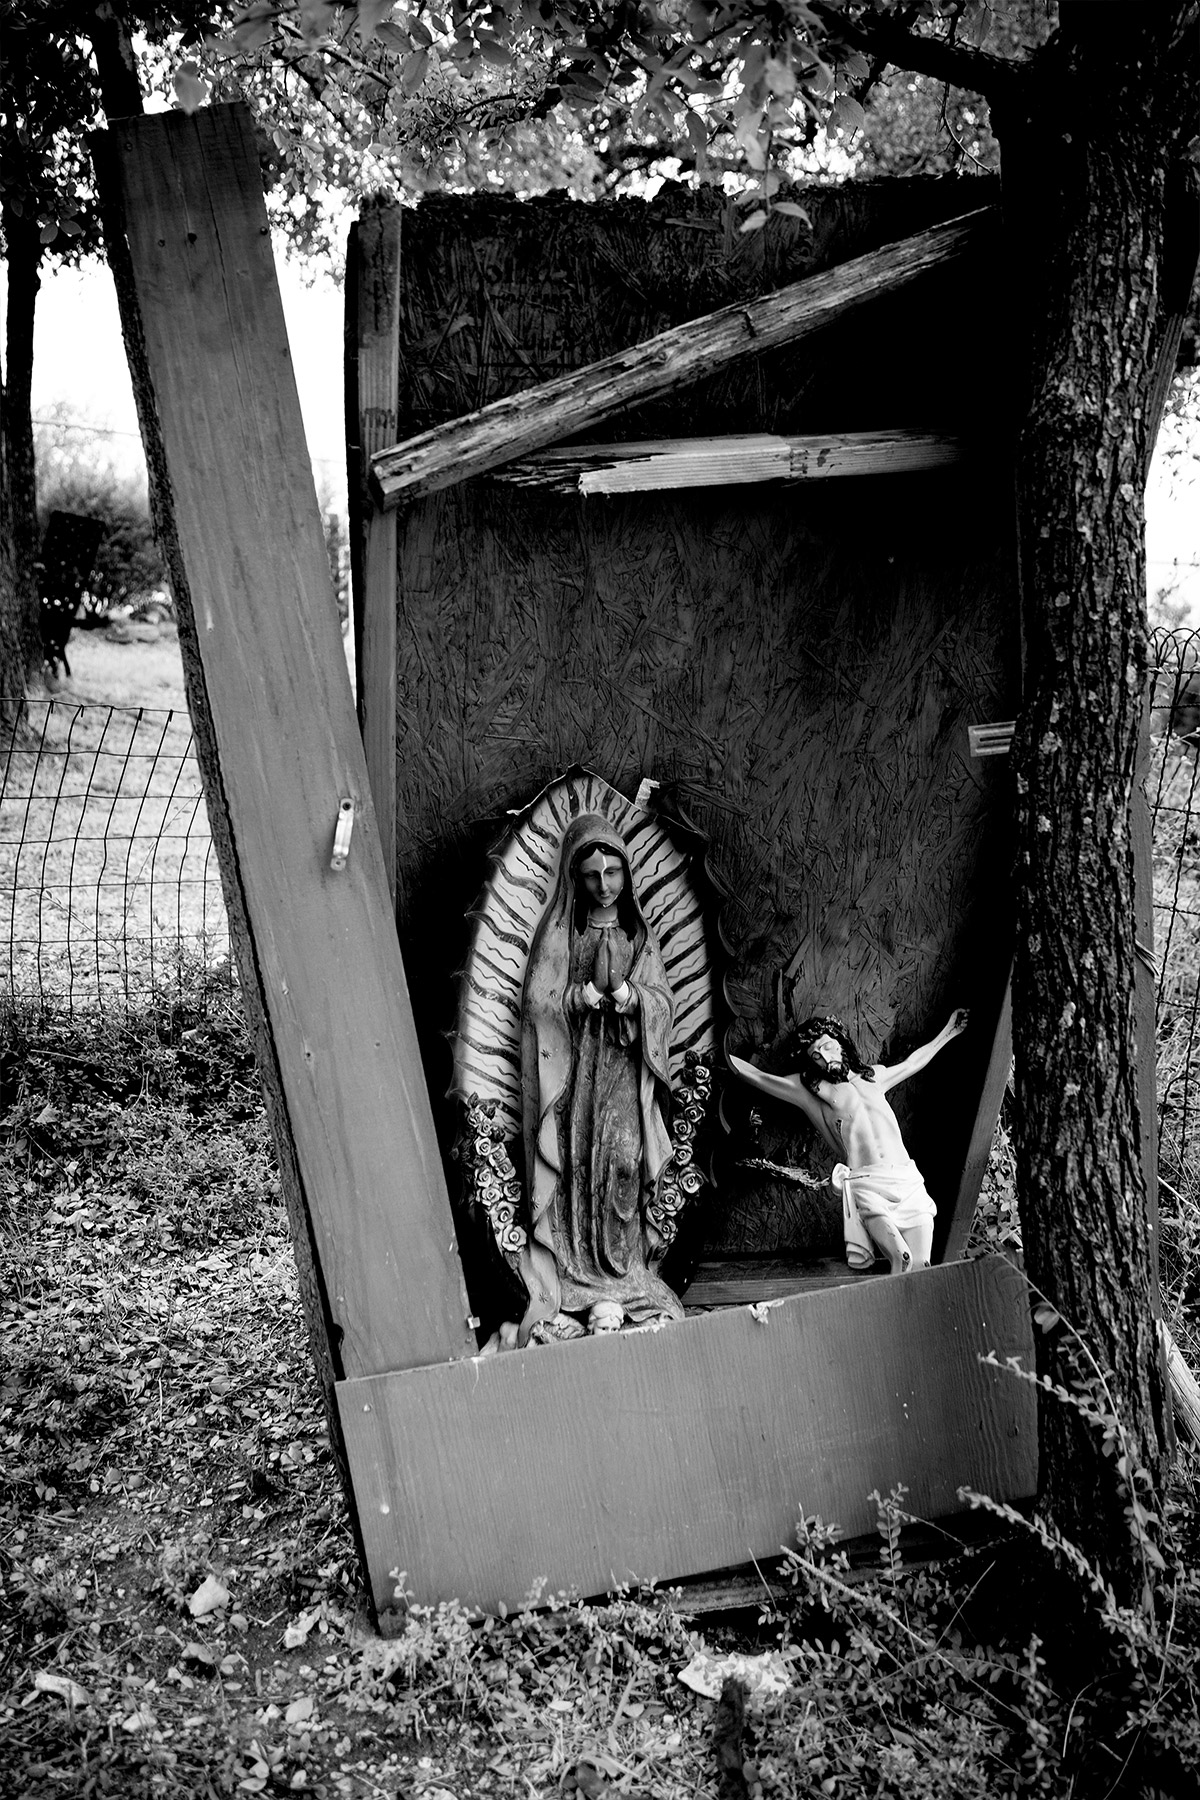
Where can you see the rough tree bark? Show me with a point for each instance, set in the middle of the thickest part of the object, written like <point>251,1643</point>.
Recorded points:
<point>120,94</point>
<point>20,633</point>
<point>1097,130</point>
<point>1101,212</point>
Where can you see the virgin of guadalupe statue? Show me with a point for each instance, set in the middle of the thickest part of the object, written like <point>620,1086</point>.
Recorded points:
<point>596,1015</point>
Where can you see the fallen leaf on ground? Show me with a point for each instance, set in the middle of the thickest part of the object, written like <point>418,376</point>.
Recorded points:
<point>765,1675</point>
<point>208,1597</point>
<point>63,1686</point>
<point>299,1629</point>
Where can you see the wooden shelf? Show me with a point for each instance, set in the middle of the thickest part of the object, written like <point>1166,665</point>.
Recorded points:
<point>746,1281</point>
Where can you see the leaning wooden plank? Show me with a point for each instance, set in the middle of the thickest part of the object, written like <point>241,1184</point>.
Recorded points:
<point>521,423</point>
<point>636,1456</point>
<point>372,380</point>
<point>729,461</point>
<point>279,750</point>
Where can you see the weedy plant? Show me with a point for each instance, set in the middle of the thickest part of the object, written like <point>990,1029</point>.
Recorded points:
<point>160,1424</point>
<point>1010,1671</point>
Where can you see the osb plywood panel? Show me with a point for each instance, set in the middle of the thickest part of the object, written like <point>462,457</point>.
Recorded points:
<point>797,667</point>
<point>635,1456</point>
<point>499,294</point>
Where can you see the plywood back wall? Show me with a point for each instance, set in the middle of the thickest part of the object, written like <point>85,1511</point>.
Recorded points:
<point>798,666</point>
<point>800,670</point>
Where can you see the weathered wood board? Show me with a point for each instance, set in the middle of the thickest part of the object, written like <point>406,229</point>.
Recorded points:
<point>372,374</point>
<point>797,665</point>
<point>519,424</point>
<point>701,1444</point>
<point>730,461</point>
<point>237,516</point>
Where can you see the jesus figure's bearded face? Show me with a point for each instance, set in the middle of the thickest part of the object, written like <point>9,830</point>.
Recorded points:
<point>827,1059</point>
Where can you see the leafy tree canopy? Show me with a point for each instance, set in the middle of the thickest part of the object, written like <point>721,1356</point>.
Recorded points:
<point>765,88</point>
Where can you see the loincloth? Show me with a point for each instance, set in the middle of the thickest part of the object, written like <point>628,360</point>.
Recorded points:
<point>894,1191</point>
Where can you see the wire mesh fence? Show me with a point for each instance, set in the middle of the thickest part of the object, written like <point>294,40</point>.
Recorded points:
<point>109,886</point>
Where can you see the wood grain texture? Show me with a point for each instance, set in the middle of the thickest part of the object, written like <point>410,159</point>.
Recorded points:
<point>954,1227</point>
<point>1185,1389</point>
<point>729,461</point>
<point>279,748</point>
<point>523,422</point>
<point>637,1456</point>
<point>373,261</point>
<point>744,1281</point>
<point>797,669</point>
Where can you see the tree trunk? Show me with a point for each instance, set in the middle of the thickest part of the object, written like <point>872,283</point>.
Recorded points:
<point>1088,152</point>
<point>20,630</point>
<point>116,63</point>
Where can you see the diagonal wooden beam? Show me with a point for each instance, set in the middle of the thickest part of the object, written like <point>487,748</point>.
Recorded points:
<point>521,423</point>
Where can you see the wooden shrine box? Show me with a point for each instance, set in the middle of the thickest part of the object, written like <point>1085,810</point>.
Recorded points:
<point>799,664</point>
<point>796,664</point>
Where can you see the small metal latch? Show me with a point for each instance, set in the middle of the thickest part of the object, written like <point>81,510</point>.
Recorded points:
<point>991,740</point>
<point>341,836</point>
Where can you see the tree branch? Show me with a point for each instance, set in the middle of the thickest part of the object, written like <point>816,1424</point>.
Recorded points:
<point>959,64</point>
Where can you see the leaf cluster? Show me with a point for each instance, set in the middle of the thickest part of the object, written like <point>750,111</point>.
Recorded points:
<point>49,102</point>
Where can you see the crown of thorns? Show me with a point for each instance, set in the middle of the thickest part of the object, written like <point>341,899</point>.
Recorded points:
<point>818,1027</point>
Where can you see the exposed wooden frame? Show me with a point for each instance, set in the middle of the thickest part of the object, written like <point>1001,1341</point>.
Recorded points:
<point>520,424</point>
<point>237,516</point>
<point>979,1148</point>
<point>730,461</point>
<point>373,267</point>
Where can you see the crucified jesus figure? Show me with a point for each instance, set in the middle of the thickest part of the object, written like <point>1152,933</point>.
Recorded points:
<point>886,1209</point>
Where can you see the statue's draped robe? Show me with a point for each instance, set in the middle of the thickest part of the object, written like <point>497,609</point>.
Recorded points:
<point>596,1088</point>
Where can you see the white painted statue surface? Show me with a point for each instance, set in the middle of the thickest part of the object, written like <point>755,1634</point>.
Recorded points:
<point>886,1208</point>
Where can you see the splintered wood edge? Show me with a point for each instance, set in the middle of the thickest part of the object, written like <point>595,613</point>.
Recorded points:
<point>730,461</point>
<point>519,424</point>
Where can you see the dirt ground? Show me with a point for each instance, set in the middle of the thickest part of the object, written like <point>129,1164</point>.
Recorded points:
<point>134,674</point>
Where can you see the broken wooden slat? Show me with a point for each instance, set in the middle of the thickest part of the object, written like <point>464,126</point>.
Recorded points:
<point>635,1456</point>
<point>237,516</point>
<point>373,272</point>
<point>522,423</point>
<point>730,461</point>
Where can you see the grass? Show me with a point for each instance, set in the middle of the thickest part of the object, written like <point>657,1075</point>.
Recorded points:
<point>106,859</point>
<point>160,1425</point>
<point>181,1611</point>
<point>161,1441</point>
